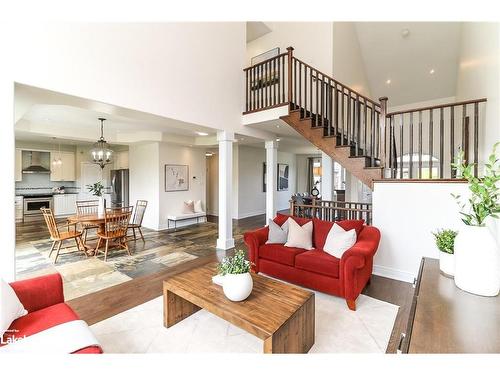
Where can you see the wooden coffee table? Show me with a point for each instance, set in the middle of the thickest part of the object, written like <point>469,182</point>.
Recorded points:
<point>280,314</point>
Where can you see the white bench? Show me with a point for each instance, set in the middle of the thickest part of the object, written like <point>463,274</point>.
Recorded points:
<point>180,217</point>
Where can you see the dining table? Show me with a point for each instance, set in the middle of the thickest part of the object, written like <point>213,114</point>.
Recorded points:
<point>98,219</point>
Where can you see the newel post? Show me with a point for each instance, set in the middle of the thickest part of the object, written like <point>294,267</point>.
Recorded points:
<point>290,64</point>
<point>382,125</point>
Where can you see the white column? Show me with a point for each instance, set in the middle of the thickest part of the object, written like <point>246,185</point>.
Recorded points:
<point>326,177</point>
<point>271,179</point>
<point>225,240</point>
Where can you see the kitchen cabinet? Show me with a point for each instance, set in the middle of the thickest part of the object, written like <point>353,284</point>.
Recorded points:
<point>121,160</point>
<point>64,171</point>
<point>19,204</point>
<point>65,204</point>
<point>19,164</point>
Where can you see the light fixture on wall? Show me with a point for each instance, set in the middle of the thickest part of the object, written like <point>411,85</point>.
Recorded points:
<point>57,160</point>
<point>101,153</point>
<point>317,171</point>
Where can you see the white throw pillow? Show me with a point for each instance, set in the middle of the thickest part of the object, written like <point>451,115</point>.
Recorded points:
<point>197,206</point>
<point>10,307</point>
<point>299,236</point>
<point>339,240</point>
<point>188,207</point>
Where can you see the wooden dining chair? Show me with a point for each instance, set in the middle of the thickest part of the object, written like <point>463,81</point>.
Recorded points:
<point>116,221</point>
<point>136,223</point>
<point>58,236</point>
<point>87,208</point>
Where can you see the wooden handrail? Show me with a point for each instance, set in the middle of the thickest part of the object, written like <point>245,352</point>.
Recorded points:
<point>356,94</point>
<point>438,106</point>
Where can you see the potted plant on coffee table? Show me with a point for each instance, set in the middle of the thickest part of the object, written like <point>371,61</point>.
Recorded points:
<point>477,256</point>
<point>445,240</point>
<point>97,189</point>
<point>237,282</point>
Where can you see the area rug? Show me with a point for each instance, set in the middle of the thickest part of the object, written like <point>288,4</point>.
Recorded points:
<point>338,330</point>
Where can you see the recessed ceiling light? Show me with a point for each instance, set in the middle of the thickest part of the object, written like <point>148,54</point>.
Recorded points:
<point>432,71</point>
<point>405,33</point>
<point>278,126</point>
<point>242,139</point>
<point>202,134</point>
<point>278,139</point>
<point>388,82</point>
<point>209,154</point>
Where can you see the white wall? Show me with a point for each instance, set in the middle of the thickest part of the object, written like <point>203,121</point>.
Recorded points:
<point>251,198</point>
<point>172,203</point>
<point>312,42</point>
<point>406,214</point>
<point>348,65</point>
<point>144,179</point>
<point>479,76</point>
<point>176,70</point>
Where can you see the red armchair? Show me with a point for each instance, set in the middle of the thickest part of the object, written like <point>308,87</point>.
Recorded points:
<point>316,269</point>
<point>43,298</point>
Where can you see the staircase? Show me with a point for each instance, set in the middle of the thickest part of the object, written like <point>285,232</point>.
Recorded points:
<point>356,131</point>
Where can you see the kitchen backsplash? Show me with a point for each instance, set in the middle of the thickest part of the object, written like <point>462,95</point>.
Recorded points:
<point>40,183</point>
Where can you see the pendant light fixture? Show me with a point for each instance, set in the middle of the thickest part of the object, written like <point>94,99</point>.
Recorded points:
<point>57,160</point>
<point>101,153</point>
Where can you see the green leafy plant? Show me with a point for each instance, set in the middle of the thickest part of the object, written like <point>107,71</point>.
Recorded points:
<point>445,240</point>
<point>484,201</point>
<point>96,189</point>
<point>234,265</point>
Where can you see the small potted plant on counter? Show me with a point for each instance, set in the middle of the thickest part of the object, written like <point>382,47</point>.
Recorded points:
<point>96,190</point>
<point>237,282</point>
<point>445,242</point>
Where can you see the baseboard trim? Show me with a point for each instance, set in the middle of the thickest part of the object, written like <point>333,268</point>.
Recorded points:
<point>250,214</point>
<point>393,273</point>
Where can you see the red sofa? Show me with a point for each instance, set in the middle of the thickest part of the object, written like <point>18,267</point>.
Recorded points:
<point>316,269</point>
<point>43,298</point>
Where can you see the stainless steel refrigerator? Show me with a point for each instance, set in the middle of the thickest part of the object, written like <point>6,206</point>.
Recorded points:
<point>119,187</point>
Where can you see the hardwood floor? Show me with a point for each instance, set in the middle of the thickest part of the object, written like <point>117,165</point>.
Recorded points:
<point>105,303</point>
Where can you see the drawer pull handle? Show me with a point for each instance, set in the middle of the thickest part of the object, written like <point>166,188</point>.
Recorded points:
<point>401,340</point>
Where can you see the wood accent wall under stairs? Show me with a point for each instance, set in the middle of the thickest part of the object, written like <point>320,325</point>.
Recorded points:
<point>359,166</point>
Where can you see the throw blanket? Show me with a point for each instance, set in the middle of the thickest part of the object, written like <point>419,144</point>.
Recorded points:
<point>62,339</point>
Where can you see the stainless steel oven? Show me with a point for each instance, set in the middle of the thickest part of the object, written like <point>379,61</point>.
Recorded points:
<point>32,205</point>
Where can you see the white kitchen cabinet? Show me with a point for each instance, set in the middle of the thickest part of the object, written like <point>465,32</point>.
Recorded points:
<point>64,171</point>
<point>19,164</point>
<point>19,204</point>
<point>121,160</point>
<point>65,204</point>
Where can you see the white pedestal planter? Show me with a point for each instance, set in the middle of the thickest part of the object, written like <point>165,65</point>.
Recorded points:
<point>447,263</point>
<point>237,287</point>
<point>477,261</point>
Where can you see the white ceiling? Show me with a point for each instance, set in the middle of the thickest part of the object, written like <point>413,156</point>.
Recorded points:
<point>407,61</point>
<point>42,115</point>
<point>256,29</point>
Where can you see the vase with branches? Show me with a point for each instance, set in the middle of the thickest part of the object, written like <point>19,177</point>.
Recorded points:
<point>477,256</point>
<point>97,190</point>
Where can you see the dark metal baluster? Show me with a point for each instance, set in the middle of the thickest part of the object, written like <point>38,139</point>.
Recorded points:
<point>335,122</point>
<point>431,140</point>
<point>441,142</point>
<point>410,172</point>
<point>464,115</point>
<point>401,150</point>
<point>330,104</point>
<point>268,83</point>
<point>365,148</point>
<point>305,90</point>
<point>348,116</point>
<point>342,134</point>
<point>358,125</point>
<point>279,81</point>
<point>372,136</point>
<point>300,88</point>
<point>317,98</point>
<point>452,140</point>
<point>284,85</point>
<point>391,145</point>
<point>252,84</point>
<point>246,91</point>
<point>419,144</point>
<point>311,95</point>
<point>273,76</point>
<point>476,136</point>
<point>322,100</point>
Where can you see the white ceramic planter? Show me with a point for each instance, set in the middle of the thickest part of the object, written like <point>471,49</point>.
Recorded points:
<point>477,261</point>
<point>237,287</point>
<point>100,207</point>
<point>447,263</point>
